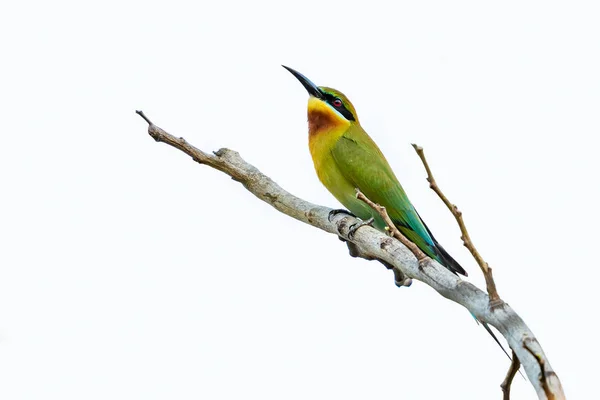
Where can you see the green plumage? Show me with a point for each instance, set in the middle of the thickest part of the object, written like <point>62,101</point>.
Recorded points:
<point>346,159</point>
<point>360,162</point>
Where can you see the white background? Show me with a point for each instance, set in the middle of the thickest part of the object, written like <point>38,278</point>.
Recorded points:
<point>129,272</point>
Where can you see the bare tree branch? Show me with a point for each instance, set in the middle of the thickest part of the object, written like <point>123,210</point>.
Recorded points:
<point>512,371</point>
<point>485,268</point>
<point>418,253</point>
<point>371,244</point>
<point>546,375</point>
<point>495,299</point>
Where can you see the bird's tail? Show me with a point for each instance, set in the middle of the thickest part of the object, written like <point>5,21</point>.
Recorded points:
<point>443,257</point>
<point>487,328</point>
<point>447,260</point>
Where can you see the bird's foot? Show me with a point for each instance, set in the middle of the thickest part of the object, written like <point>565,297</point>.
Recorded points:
<point>333,213</point>
<point>354,251</point>
<point>399,278</point>
<point>356,226</point>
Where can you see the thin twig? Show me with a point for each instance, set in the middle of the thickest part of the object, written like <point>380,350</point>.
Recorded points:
<point>392,228</point>
<point>141,114</point>
<point>512,371</point>
<point>485,268</point>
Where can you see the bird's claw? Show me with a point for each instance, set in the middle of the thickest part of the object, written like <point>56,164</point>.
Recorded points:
<point>333,213</point>
<point>401,279</point>
<point>356,226</point>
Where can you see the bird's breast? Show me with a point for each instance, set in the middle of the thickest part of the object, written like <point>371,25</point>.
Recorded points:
<point>320,121</point>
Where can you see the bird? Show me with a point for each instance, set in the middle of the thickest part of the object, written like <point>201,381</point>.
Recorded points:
<point>346,159</point>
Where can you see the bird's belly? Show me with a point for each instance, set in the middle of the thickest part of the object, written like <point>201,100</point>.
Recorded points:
<point>343,190</point>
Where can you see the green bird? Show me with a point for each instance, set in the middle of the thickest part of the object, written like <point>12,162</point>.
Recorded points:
<point>346,159</point>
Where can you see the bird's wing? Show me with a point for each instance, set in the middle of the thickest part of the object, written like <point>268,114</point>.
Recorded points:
<point>362,164</point>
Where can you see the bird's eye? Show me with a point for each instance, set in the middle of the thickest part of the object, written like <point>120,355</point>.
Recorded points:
<point>337,103</point>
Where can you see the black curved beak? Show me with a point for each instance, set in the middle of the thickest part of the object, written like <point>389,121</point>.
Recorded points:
<point>310,87</point>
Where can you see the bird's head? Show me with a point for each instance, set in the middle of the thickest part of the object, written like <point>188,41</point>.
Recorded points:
<point>328,109</point>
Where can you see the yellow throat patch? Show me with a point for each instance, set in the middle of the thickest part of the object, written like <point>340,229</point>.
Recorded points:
<point>322,118</point>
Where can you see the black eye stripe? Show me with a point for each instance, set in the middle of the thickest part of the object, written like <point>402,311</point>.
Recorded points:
<point>329,98</point>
